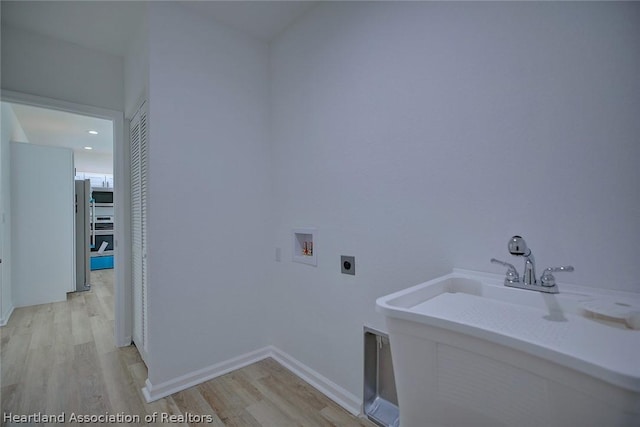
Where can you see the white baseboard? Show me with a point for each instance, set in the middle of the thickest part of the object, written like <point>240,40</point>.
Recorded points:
<point>126,341</point>
<point>154,392</point>
<point>333,391</point>
<point>5,319</point>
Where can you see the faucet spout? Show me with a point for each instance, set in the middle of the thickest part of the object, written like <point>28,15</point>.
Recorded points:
<point>529,270</point>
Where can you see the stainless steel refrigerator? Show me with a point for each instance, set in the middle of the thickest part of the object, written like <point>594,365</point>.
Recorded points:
<point>83,235</point>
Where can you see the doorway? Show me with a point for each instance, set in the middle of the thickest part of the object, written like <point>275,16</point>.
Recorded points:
<point>118,181</point>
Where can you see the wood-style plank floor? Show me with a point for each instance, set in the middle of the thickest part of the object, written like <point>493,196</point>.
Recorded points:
<point>61,358</point>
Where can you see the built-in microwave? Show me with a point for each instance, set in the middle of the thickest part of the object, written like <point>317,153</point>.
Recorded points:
<point>102,196</point>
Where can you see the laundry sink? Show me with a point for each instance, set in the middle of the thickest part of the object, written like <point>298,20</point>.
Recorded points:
<point>464,315</point>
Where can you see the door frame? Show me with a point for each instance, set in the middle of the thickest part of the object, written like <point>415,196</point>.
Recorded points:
<point>122,286</point>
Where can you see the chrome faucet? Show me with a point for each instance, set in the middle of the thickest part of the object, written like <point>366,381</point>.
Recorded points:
<point>547,283</point>
<point>518,247</point>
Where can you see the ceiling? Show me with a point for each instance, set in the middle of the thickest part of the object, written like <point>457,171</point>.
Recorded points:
<point>261,19</point>
<point>108,26</point>
<point>61,129</point>
<point>42,126</point>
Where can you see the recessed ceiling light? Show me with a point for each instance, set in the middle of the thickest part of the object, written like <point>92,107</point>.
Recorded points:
<point>88,148</point>
<point>93,132</point>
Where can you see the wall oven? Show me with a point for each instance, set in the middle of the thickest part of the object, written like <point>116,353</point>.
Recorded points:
<point>102,196</point>
<point>103,238</point>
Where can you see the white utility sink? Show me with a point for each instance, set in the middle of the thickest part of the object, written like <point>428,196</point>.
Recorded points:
<point>579,338</point>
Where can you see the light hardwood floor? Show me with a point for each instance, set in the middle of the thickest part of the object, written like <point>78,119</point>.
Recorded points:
<point>61,358</point>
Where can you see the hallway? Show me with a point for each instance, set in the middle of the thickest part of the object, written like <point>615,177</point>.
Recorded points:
<point>60,358</point>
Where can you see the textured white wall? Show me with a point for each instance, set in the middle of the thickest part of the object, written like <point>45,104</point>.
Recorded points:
<point>209,192</point>
<point>52,68</point>
<point>420,136</point>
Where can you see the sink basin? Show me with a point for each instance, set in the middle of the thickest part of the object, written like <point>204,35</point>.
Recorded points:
<point>553,326</point>
<point>473,317</point>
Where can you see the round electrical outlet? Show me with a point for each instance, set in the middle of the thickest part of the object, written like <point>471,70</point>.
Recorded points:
<point>348,264</point>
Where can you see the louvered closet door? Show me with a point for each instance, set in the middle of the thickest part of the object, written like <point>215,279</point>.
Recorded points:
<point>139,144</point>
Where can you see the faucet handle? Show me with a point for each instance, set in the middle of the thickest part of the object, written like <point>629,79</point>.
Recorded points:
<point>512,273</point>
<point>547,280</point>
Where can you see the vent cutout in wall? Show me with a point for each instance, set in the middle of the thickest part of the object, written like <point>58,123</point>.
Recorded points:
<point>380,399</point>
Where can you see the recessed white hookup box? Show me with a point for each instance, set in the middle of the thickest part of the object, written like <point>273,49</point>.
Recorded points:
<point>304,246</point>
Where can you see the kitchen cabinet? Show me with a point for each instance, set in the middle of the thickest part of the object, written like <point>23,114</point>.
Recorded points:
<point>98,180</point>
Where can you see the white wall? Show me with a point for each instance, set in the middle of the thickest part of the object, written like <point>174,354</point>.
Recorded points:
<point>136,69</point>
<point>10,128</point>
<point>209,193</point>
<point>420,136</point>
<point>56,69</point>
<point>42,215</point>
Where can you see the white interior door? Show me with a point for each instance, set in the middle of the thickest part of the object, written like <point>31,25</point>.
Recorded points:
<point>42,214</point>
<point>139,145</point>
